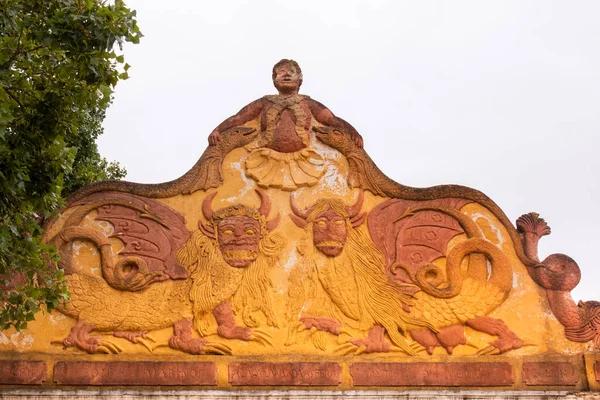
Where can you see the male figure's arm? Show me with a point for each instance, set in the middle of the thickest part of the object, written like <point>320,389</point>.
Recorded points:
<point>324,116</point>
<point>248,113</point>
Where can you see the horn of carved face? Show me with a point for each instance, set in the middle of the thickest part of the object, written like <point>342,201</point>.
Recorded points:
<point>207,210</point>
<point>330,232</point>
<point>265,203</point>
<point>265,209</point>
<point>355,209</point>
<point>272,224</point>
<point>298,211</point>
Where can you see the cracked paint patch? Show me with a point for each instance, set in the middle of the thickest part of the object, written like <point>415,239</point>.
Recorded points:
<point>3,339</point>
<point>292,260</point>
<point>21,341</point>
<point>57,318</point>
<point>490,224</point>
<point>249,184</point>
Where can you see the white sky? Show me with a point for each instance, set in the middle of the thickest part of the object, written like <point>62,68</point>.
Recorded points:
<point>501,96</point>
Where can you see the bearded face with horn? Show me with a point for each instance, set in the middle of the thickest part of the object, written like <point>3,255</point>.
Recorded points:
<point>340,283</point>
<point>229,259</point>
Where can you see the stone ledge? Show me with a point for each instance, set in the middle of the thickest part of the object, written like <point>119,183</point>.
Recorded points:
<point>546,373</point>
<point>452,374</point>
<point>22,372</point>
<point>285,374</point>
<point>290,395</point>
<point>549,373</point>
<point>158,373</point>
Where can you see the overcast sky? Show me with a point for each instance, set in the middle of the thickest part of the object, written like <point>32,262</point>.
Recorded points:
<point>501,96</point>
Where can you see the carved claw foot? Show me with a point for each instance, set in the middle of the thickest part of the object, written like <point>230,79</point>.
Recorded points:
<point>425,338</point>
<point>235,332</point>
<point>507,339</point>
<point>321,324</point>
<point>451,336</point>
<point>139,337</point>
<point>500,346</point>
<point>448,338</point>
<point>198,346</point>
<point>317,327</point>
<point>130,335</point>
<point>80,338</point>
<point>182,340</point>
<point>373,343</point>
<point>244,333</point>
<point>228,328</point>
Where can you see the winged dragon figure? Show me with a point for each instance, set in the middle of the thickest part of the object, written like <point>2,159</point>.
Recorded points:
<point>166,276</point>
<point>383,279</point>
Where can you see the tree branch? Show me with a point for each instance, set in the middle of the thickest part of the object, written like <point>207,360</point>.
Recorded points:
<point>7,90</point>
<point>12,58</point>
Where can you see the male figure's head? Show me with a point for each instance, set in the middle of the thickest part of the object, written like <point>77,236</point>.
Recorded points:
<point>287,77</point>
<point>331,220</point>
<point>238,229</point>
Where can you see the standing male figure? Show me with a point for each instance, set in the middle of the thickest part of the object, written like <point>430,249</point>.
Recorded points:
<point>282,156</point>
<point>285,117</point>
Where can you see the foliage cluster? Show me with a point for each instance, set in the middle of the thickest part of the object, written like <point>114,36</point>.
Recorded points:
<point>58,70</point>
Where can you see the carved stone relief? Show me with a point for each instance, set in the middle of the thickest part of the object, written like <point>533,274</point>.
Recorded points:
<point>168,277</point>
<point>286,242</point>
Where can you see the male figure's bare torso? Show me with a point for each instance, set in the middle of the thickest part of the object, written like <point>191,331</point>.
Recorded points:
<point>285,119</point>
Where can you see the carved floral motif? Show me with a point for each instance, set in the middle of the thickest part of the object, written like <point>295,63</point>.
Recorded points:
<point>286,171</point>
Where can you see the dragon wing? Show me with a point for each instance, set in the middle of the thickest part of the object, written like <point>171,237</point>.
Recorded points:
<point>413,238</point>
<point>148,229</point>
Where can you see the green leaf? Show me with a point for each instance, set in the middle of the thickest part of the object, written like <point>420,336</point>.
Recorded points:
<point>53,99</point>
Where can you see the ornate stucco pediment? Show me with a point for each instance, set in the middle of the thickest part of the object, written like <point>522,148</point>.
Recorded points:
<point>285,257</point>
